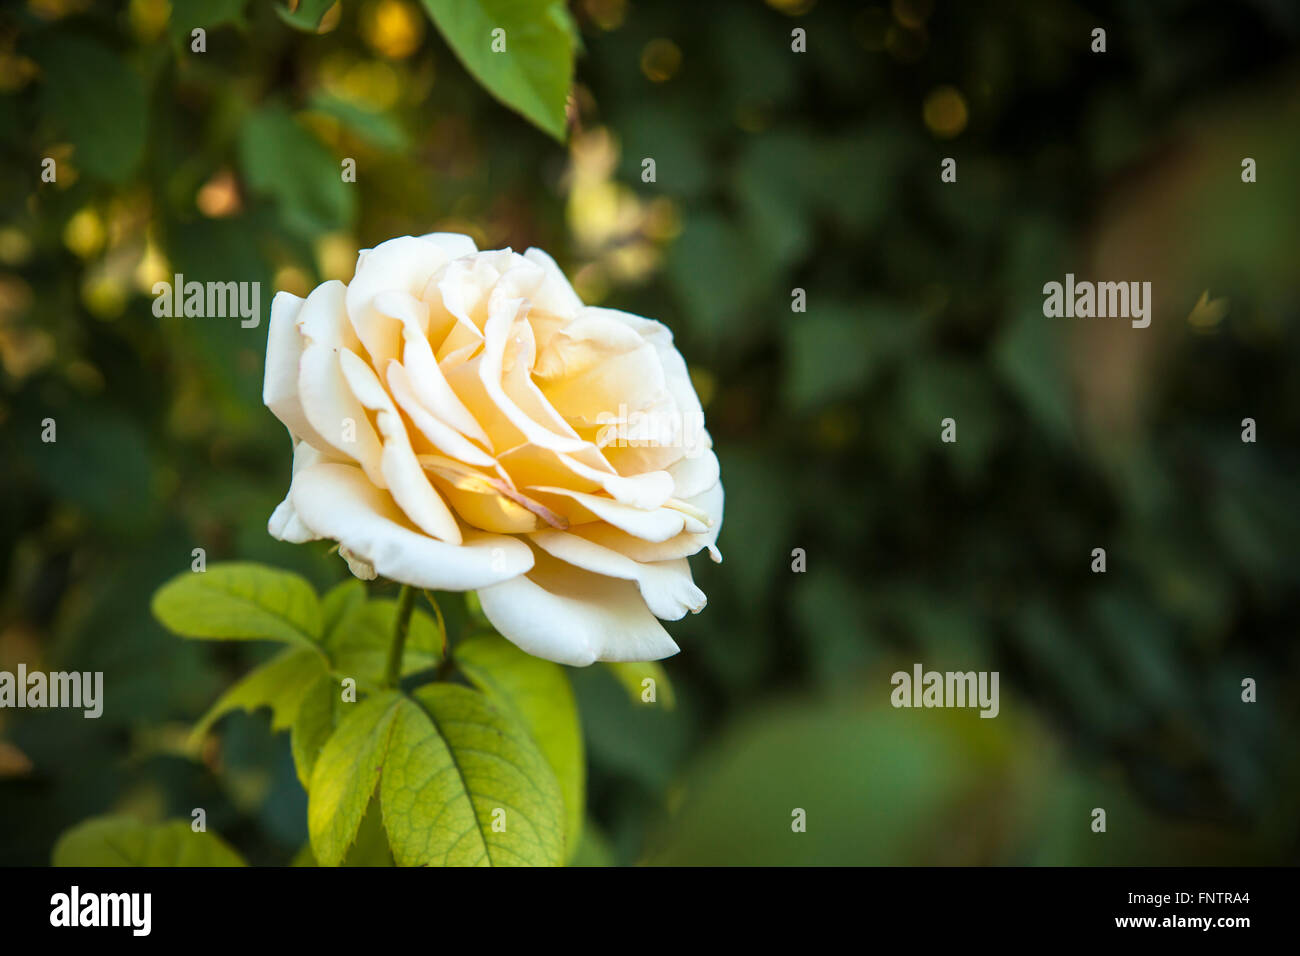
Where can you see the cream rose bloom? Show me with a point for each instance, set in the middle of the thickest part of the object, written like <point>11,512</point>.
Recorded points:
<point>461,421</point>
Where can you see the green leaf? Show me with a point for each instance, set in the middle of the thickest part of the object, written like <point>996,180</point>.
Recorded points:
<point>537,693</point>
<point>318,714</point>
<point>379,129</point>
<point>838,347</point>
<point>240,601</point>
<point>922,780</point>
<point>359,644</point>
<point>370,848</point>
<point>281,683</point>
<point>124,841</point>
<point>338,602</point>
<point>634,675</point>
<point>307,16</point>
<point>533,75</point>
<point>456,769</point>
<point>371,845</point>
<point>97,101</point>
<point>346,773</point>
<point>282,160</point>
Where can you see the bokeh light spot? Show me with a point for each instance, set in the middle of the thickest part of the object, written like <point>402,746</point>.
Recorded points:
<point>945,112</point>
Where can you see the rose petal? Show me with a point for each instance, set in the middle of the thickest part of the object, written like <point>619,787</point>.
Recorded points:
<point>427,382</point>
<point>574,617</point>
<point>555,295</point>
<point>406,479</point>
<point>677,377</point>
<point>405,264</point>
<point>596,369</point>
<point>657,525</point>
<point>326,399</point>
<point>461,295</point>
<point>666,586</point>
<point>338,502</point>
<point>479,384</point>
<point>487,502</point>
<point>680,546</point>
<point>284,523</point>
<point>531,465</point>
<point>440,435</point>
<point>695,475</point>
<point>284,347</point>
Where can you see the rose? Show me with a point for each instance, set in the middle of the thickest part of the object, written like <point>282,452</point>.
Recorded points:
<point>461,421</point>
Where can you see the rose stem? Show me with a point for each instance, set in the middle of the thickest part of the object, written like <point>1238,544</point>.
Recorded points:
<point>442,624</point>
<point>401,625</point>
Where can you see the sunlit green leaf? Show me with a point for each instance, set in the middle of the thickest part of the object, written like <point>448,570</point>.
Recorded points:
<point>240,601</point>
<point>337,603</point>
<point>633,677</point>
<point>314,722</point>
<point>124,841</point>
<point>360,641</point>
<point>281,683</point>
<point>537,693</point>
<point>533,74</point>
<point>465,785</point>
<point>346,773</point>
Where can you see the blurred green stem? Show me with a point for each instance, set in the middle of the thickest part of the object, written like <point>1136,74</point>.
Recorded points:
<point>401,626</point>
<point>442,623</point>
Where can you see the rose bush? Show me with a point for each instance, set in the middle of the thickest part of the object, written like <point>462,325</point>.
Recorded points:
<point>462,421</point>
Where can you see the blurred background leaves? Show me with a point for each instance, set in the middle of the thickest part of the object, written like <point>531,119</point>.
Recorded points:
<point>774,171</point>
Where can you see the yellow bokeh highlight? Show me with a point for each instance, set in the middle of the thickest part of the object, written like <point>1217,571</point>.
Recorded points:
<point>606,14</point>
<point>104,294</point>
<point>392,28</point>
<point>293,280</point>
<point>792,8</point>
<point>84,233</point>
<point>633,261</point>
<point>16,71</point>
<point>660,60</point>
<point>24,350</point>
<point>945,112</point>
<point>373,83</point>
<point>219,196</point>
<point>663,220</point>
<point>152,268</point>
<point>15,246</point>
<point>336,256</point>
<point>148,18</point>
<point>65,173</point>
